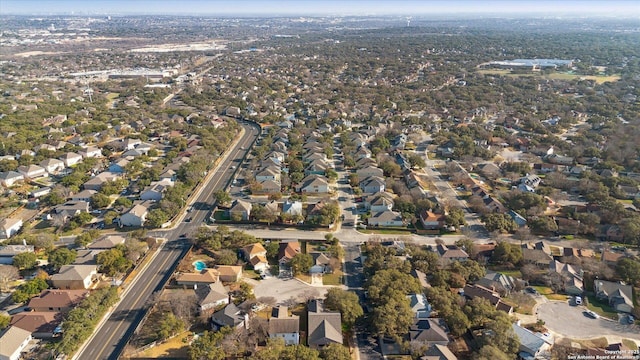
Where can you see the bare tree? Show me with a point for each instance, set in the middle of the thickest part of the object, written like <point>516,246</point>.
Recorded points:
<point>8,273</point>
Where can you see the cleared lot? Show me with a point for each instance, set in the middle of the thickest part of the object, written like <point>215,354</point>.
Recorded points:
<point>285,289</point>
<point>570,321</point>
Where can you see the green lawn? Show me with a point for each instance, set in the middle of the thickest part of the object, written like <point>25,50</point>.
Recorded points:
<point>515,273</point>
<point>601,308</point>
<point>548,293</point>
<point>332,279</point>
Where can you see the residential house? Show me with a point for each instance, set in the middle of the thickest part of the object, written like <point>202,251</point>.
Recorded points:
<point>427,332</point>
<point>211,296</point>
<point>619,296</point>
<point>70,159</point>
<point>96,182</point>
<point>572,276</point>
<point>52,166</point>
<point>57,300</point>
<point>293,208</point>
<point>32,171</point>
<point>419,305</point>
<point>9,178</point>
<point>7,252</point>
<point>532,345</point>
<point>119,166</point>
<point>72,208</point>
<point>230,316</point>
<point>379,202</point>
<point>84,195</point>
<point>536,257</point>
<point>320,263</point>
<point>40,192</point>
<point>517,218</point>
<point>269,187</point>
<point>41,325</point>
<point>473,291</point>
<point>259,263</point>
<point>324,327</point>
<point>155,191</point>
<point>317,167</point>
<point>312,156</point>
<point>255,249</point>
<point>499,282</point>
<point>490,170</point>
<point>74,277</point>
<point>270,173</point>
<point>86,257</point>
<point>451,253</point>
<point>272,207</point>
<point>286,252</point>
<point>610,257</point>
<point>202,278</point>
<point>438,352</point>
<point>283,326</point>
<point>372,185</point>
<point>229,273</point>
<point>317,184</point>
<point>362,153</point>
<point>363,162</point>
<point>107,242</point>
<point>130,144</point>
<point>386,218</point>
<point>136,216</point>
<point>431,220</point>
<point>9,227</point>
<point>240,210</point>
<point>12,342</point>
<point>90,152</point>
<point>531,181</point>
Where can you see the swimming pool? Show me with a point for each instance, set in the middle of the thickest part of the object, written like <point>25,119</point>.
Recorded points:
<point>199,265</point>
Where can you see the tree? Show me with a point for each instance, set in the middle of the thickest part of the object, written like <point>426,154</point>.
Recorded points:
<point>8,274</point>
<point>499,222</point>
<point>86,237</point>
<point>489,352</point>
<point>416,161</point>
<point>169,325</point>
<point>100,201</point>
<point>222,197</point>
<point>346,302</point>
<point>455,217</point>
<point>335,351</point>
<point>5,320</point>
<point>109,216</point>
<point>112,262</point>
<point>156,218</point>
<point>226,257</point>
<point>394,317</point>
<point>506,253</point>
<point>244,293</point>
<point>301,263</point>
<point>207,346</point>
<point>62,256</point>
<point>25,260</point>
<point>629,270</point>
<point>29,289</point>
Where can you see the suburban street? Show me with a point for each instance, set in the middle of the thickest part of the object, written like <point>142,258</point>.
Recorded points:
<point>110,338</point>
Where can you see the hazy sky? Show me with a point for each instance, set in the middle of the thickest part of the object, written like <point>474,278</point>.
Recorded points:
<point>317,7</point>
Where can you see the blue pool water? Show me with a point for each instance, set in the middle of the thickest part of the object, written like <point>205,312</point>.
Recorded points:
<point>199,265</point>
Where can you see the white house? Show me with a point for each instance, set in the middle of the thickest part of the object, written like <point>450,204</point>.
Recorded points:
<point>13,342</point>
<point>155,191</point>
<point>368,171</point>
<point>9,227</point>
<point>283,326</point>
<point>7,179</point>
<point>90,152</point>
<point>271,173</point>
<point>70,159</point>
<point>136,216</point>
<point>32,171</point>
<point>52,166</point>
<point>373,184</point>
<point>292,207</point>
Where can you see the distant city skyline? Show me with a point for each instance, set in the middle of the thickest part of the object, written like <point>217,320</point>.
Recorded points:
<point>317,7</point>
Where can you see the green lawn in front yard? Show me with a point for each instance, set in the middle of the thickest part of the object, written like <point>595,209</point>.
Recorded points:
<point>332,279</point>
<point>549,294</point>
<point>601,308</point>
<point>514,273</point>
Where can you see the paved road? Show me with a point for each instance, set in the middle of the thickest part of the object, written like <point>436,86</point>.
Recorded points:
<point>569,321</point>
<point>110,338</point>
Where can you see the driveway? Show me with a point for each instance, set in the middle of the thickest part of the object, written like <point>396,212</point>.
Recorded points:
<point>569,321</point>
<point>285,289</point>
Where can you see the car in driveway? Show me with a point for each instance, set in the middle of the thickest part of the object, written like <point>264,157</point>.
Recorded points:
<point>591,314</point>
<point>578,300</point>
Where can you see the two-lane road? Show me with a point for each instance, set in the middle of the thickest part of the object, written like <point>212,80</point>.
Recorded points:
<point>111,337</point>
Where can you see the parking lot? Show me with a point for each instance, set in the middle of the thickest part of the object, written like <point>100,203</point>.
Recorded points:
<point>570,321</point>
<point>285,289</point>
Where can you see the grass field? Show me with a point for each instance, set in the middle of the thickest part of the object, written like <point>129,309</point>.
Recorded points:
<point>176,348</point>
<point>599,79</point>
<point>601,308</point>
<point>549,294</point>
<point>332,279</point>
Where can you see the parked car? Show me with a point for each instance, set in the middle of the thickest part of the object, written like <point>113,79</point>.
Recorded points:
<point>630,319</point>
<point>578,300</point>
<point>591,314</point>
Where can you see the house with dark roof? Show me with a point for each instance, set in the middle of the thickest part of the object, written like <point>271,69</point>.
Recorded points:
<point>572,277</point>
<point>283,326</point>
<point>57,300</point>
<point>536,257</point>
<point>450,253</point>
<point>500,282</point>
<point>386,218</point>
<point>619,296</point>
<point>427,332</point>
<point>471,292</point>
<point>41,325</point>
<point>324,327</point>
<point>107,242</point>
<point>230,316</point>
<point>240,209</point>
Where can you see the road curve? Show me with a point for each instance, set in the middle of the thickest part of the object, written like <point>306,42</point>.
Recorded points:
<point>111,336</point>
